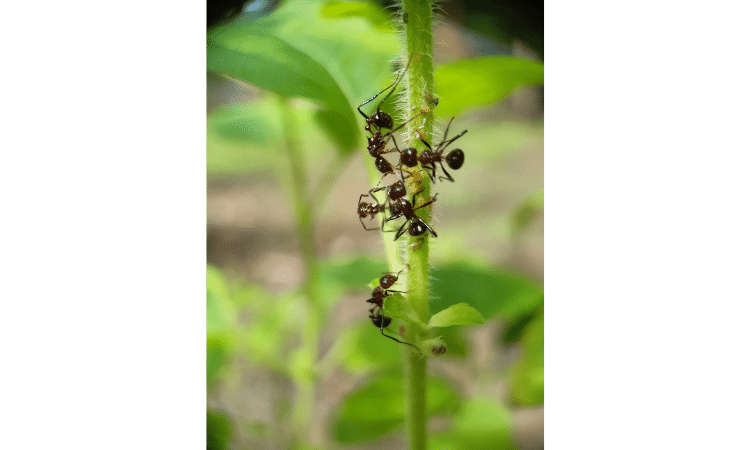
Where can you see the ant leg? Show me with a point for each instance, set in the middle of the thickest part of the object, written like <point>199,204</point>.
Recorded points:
<point>428,203</point>
<point>425,143</point>
<point>402,125</point>
<point>382,226</point>
<point>447,127</point>
<point>382,321</point>
<point>363,226</point>
<point>400,231</point>
<point>398,78</point>
<point>428,227</point>
<point>446,144</point>
<point>450,178</point>
<point>395,217</point>
<point>414,197</point>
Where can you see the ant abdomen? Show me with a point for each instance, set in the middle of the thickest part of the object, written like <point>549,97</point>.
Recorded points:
<point>455,159</point>
<point>379,319</point>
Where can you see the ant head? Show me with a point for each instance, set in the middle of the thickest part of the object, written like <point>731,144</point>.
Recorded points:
<point>397,190</point>
<point>382,119</point>
<point>409,157</point>
<point>363,209</point>
<point>383,165</point>
<point>455,159</point>
<point>417,227</point>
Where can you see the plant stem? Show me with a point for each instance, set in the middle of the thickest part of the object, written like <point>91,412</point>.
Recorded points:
<point>419,88</point>
<point>305,377</point>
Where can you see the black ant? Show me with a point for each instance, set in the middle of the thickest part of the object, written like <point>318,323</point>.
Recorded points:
<point>381,291</point>
<point>364,209</point>
<point>455,158</point>
<point>381,119</point>
<point>402,207</point>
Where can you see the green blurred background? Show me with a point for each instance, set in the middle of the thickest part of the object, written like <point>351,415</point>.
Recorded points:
<point>488,390</point>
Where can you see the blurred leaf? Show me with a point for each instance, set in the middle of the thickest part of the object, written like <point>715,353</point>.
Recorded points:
<point>482,423</point>
<point>516,328</point>
<point>482,81</point>
<point>455,343</point>
<point>361,348</point>
<point>221,317</point>
<point>296,52</point>
<point>527,211</point>
<point>458,314</point>
<point>217,357</point>
<point>396,305</point>
<point>347,274</point>
<point>257,122</point>
<point>369,10</point>
<point>218,431</point>
<point>378,408</point>
<point>489,291</point>
<point>527,378</point>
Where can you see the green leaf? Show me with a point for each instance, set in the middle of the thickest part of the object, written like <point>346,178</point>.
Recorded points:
<point>221,313</point>
<point>368,10</point>
<point>526,380</point>
<point>527,211</point>
<point>396,305</point>
<point>362,349</point>
<point>482,424</point>
<point>458,314</point>
<point>481,81</point>
<point>217,357</point>
<point>378,408</point>
<point>218,431</point>
<point>257,122</point>
<point>297,52</point>
<point>491,292</point>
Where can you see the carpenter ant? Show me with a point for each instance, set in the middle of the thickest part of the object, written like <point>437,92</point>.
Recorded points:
<point>364,209</point>
<point>381,291</point>
<point>402,207</point>
<point>430,158</point>
<point>381,119</point>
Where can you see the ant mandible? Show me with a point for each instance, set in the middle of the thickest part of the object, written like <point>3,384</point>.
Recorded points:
<point>402,207</point>
<point>455,158</point>
<point>381,291</point>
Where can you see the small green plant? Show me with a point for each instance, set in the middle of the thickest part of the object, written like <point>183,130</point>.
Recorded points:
<point>332,55</point>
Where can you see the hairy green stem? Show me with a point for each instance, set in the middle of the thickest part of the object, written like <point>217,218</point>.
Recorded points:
<point>305,217</point>
<point>417,15</point>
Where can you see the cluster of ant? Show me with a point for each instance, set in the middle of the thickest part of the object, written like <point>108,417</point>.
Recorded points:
<point>396,194</point>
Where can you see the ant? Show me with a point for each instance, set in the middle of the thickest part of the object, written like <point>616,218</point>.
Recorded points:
<point>381,119</point>
<point>364,209</point>
<point>402,207</point>
<point>455,158</point>
<point>381,291</point>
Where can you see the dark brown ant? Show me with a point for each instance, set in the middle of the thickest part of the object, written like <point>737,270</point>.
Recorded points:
<point>430,158</point>
<point>364,209</point>
<point>381,291</point>
<point>402,207</point>
<point>381,119</point>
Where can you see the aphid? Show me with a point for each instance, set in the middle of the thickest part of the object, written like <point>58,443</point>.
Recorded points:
<point>439,350</point>
<point>402,207</point>
<point>431,157</point>
<point>381,291</point>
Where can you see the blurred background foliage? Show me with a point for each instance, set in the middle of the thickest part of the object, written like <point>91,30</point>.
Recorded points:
<point>315,61</point>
